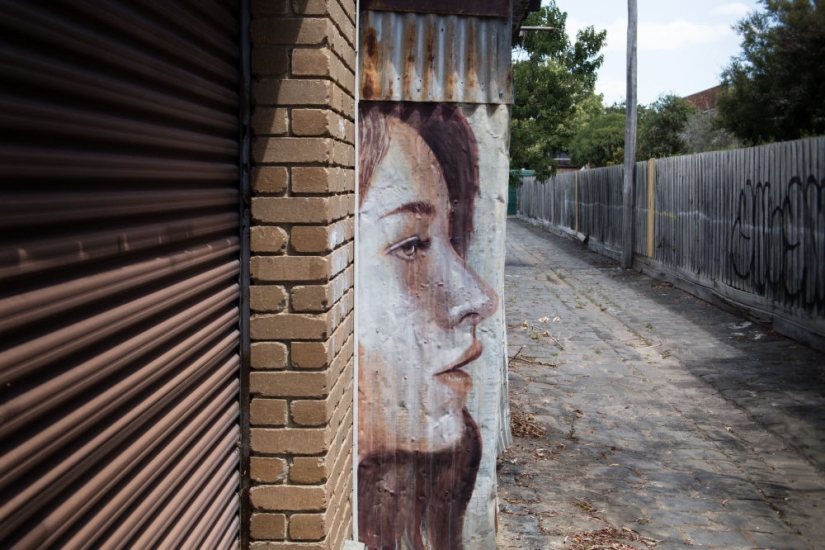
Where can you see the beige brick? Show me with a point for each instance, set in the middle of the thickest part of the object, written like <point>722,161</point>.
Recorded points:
<point>319,355</point>
<point>289,327</point>
<point>311,180</point>
<point>315,470</point>
<point>317,412</point>
<point>311,7</point>
<point>269,61</point>
<point>268,412</point>
<point>267,298</point>
<point>292,92</point>
<point>349,8</point>
<point>343,154</point>
<point>289,268</point>
<point>296,209</point>
<point>340,259</point>
<point>269,7</point>
<point>288,441</point>
<point>267,469</point>
<point>341,525</point>
<point>268,526</point>
<point>311,62</point>
<point>267,239</point>
<point>347,181</point>
<point>319,298</point>
<point>268,355</point>
<point>342,47</point>
<point>342,21</point>
<point>342,74</point>
<point>311,299</point>
<point>308,239</point>
<point>311,355</point>
<point>311,122</point>
<point>350,232</point>
<point>290,31</point>
<point>292,150</point>
<point>269,179</point>
<point>307,526</point>
<point>269,121</point>
<point>255,545</point>
<point>288,498</point>
<point>308,470</point>
<point>289,384</point>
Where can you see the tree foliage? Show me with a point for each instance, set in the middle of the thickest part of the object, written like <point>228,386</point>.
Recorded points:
<point>775,90</point>
<point>600,142</point>
<point>660,125</point>
<point>702,133</point>
<point>553,80</point>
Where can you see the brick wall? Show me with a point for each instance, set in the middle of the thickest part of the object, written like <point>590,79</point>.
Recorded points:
<point>301,383</point>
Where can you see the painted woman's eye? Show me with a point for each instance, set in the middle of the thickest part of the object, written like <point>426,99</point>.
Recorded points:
<point>408,249</point>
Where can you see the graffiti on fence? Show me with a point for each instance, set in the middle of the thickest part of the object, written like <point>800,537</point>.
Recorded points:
<point>778,241</point>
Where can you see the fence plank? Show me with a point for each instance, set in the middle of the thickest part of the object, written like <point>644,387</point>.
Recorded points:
<point>749,223</point>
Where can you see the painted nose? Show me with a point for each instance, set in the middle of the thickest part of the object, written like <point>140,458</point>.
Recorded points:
<point>470,300</point>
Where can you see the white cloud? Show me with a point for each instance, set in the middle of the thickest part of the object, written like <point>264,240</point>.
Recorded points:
<point>679,34</point>
<point>657,36</point>
<point>736,9</point>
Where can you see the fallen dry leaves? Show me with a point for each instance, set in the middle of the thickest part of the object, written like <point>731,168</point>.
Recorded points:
<point>608,538</point>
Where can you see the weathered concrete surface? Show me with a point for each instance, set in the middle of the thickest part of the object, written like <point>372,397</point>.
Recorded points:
<point>663,415</point>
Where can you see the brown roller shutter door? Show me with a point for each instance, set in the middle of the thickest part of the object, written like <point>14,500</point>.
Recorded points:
<point>120,255</point>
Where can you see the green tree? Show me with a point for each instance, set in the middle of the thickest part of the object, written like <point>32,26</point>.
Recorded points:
<point>702,133</point>
<point>600,142</point>
<point>775,90</point>
<point>553,80</point>
<point>660,125</point>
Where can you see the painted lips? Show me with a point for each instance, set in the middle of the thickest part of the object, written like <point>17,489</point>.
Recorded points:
<point>456,378</point>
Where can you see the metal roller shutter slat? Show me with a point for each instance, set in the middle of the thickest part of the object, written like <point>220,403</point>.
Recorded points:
<point>120,265</point>
<point>126,502</point>
<point>190,472</point>
<point>69,250</point>
<point>96,48</point>
<point>60,390</point>
<point>46,532</point>
<point>29,307</point>
<point>80,460</point>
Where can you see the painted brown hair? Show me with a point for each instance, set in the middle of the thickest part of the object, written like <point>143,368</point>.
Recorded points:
<point>447,133</point>
<point>418,500</point>
<point>414,499</point>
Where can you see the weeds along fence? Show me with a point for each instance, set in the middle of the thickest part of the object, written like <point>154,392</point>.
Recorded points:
<point>742,228</point>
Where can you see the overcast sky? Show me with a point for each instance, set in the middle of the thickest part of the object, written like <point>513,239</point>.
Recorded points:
<point>683,46</point>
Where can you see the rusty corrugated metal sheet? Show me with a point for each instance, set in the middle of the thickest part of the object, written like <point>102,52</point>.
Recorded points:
<point>484,8</point>
<point>435,58</point>
<point>119,265</point>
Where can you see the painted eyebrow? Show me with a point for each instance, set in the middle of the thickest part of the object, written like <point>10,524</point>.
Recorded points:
<point>416,207</point>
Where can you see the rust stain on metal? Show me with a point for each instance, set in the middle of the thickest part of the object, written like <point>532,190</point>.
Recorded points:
<point>369,64</point>
<point>433,57</point>
<point>487,8</point>
<point>410,58</point>
<point>429,56</point>
<point>471,81</point>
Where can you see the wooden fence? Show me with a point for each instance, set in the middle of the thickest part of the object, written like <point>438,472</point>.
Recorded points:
<point>744,228</point>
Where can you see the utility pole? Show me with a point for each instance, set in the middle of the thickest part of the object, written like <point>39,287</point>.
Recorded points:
<point>629,188</point>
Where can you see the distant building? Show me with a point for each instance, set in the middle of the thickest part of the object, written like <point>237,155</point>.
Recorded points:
<point>564,164</point>
<point>705,100</point>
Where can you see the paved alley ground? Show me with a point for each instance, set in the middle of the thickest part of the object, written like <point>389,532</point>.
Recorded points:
<point>646,418</point>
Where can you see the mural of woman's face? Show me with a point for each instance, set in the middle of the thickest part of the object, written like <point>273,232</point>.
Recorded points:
<point>418,316</point>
